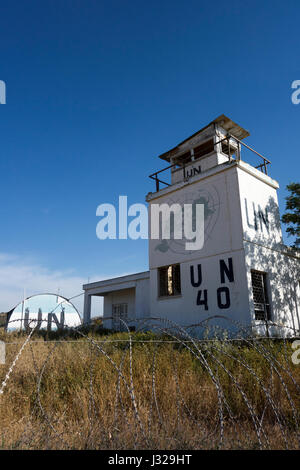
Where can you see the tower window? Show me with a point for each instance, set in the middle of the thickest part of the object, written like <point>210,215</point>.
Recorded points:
<point>185,158</point>
<point>228,150</point>
<point>204,149</point>
<point>260,295</point>
<point>169,280</point>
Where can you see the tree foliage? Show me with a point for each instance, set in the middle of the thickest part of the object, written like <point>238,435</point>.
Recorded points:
<point>292,217</point>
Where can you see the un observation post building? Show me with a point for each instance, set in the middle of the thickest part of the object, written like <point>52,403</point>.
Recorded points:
<point>243,272</point>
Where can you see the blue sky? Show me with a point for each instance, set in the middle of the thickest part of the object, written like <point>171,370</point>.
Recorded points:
<point>96,90</point>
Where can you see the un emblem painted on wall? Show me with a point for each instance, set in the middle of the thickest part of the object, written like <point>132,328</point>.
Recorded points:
<point>210,200</point>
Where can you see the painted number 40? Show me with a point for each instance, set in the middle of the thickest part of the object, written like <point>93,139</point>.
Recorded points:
<point>223,292</point>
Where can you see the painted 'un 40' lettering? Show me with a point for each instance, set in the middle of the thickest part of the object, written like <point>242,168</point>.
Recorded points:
<point>223,292</point>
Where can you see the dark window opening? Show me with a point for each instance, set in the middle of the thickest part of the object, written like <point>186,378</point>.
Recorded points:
<point>225,149</point>
<point>204,149</point>
<point>183,159</point>
<point>200,151</point>
<point>260,296</point>
<point>169,280</point>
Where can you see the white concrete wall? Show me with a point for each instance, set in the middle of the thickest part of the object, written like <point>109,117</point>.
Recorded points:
<point>264,249</point>
<point>242,223</point>
<point>198,166</point>
<point>219,192</point>
<point>142,298</point>
<point>283,274</point>
<point>184,310</point>
<point>259,207</point>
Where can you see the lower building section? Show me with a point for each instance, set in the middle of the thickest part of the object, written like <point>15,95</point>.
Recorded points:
<point>191,292</point>
<point>251,290</point>
<point>125,299</point>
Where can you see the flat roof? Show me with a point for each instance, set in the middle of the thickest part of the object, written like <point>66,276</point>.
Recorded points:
<point>225,122</point>
<point>117,280</point>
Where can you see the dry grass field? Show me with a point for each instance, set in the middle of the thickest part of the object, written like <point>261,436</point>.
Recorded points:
<point>94,393</point>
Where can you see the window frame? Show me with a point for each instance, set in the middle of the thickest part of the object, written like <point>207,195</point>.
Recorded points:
<point>118,315</point>
<point>265,313</point>
<point>163,294</point>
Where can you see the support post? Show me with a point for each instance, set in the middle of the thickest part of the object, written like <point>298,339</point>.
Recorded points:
<point>87,308</point>
<point>157,183</point>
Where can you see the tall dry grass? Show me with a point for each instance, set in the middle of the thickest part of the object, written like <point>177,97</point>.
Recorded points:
<point>73,395</point>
